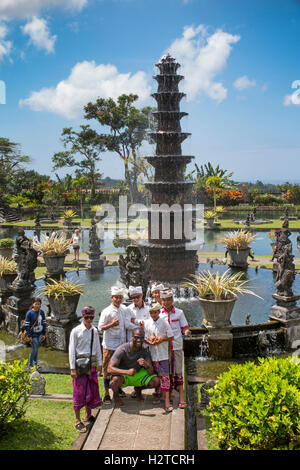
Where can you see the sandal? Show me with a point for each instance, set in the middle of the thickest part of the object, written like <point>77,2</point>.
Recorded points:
<point>80,427</point>
<point>182,405</point>
<point>90,419</point>
<point>107,399</point>
<point>156,401</point>
<point>169,409</point>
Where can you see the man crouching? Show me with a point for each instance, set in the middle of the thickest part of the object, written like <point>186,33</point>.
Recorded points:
<point>131,365</point>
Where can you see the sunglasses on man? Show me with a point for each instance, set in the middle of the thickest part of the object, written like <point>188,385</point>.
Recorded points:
<point>138,337</point>
<point>89,317</point>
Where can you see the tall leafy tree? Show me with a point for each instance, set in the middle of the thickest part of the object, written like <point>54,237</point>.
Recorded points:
<point>127,130</point>
<point>11,161</point>
<point>82,151</point>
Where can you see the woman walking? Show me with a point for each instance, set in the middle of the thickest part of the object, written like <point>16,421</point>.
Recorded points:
<point>35,325</point>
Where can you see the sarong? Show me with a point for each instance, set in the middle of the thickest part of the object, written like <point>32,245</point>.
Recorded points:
<point>86,392</point>
<point>163,371</point>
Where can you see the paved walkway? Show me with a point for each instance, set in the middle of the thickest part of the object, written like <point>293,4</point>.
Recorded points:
<point>136,426</point>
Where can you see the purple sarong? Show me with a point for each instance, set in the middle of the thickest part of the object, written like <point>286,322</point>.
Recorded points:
<point>86,392</point>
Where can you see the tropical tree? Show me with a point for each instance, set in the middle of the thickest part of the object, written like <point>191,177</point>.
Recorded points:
<point>214,183</point>
<point>11,161</point>
<point>79,184</point>
<point>128,127</point>
<point>85,145</point>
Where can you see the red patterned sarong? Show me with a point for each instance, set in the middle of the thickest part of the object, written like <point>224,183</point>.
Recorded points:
<point>162,370</point>
<point>86,392</point>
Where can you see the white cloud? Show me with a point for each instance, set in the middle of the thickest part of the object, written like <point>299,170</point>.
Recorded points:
<point>39,34</point>
<point>202,57</point>
<point>242,83</point>
<point>11,9</point>
<point>294,98</point>
<point>86,82</point>
<point>5,46</point>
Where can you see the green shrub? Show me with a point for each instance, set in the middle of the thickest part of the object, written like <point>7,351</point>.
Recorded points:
<point>268,200</point>
<point>15,385</point>
<point>6,243</point>
<point>257,407</point>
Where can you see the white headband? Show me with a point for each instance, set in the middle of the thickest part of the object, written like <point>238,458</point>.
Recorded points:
<point>135,290</point>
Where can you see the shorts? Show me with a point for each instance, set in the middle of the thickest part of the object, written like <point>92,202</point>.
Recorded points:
<point>139,379</point>
<point>162,368</point>
<point>106,355</point>
<point>76,247</point>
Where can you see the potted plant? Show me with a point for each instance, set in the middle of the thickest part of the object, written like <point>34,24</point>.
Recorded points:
<point>210,218</point>
<point>7,247</point>
<point>8,273</point>
<point>217,295</point>
<point>237,244</point>
<point>68,215</point>
<point>54,251</point>
<point>63,296</point>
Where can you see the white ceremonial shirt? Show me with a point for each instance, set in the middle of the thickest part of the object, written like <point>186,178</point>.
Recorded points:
<point>116,335</point>
<point>80,343</point>
<point>140,314</point>
<point>177,321</point>
<point>159,328</point>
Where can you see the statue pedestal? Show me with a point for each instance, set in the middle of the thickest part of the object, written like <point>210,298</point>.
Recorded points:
<point>15,308</point>
<point>95,263</point>
<point>288,313</point>
<point>58,333</point>
<point>220,342</point>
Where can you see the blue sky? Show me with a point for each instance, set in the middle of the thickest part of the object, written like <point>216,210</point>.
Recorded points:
<point>240,59</point>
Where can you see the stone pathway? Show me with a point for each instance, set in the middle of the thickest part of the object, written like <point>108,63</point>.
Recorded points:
<point>137,426</point>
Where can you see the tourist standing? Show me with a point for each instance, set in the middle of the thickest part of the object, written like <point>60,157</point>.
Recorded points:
<point>138,310</point>
<point>84,342</point>
<point>75,242</point>
<point>35,326</point>
<point>131,365</point>
<point>113,322</point>
<point>179,325</point>
<point>158,335</point>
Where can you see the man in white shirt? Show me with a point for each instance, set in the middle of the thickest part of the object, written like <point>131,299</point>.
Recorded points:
<point>158,335</point>
<point>155,292</point>
<point>113,322</point>
<point>85,387</point>
<point>179,325</point>
<point>139,311</point>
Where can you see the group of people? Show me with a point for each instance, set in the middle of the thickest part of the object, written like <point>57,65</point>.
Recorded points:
<point>141,347</point>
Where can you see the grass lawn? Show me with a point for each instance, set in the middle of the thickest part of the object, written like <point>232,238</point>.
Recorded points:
<point>47,425</point>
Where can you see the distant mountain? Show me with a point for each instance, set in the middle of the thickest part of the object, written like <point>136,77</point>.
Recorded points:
<point>109,182</point>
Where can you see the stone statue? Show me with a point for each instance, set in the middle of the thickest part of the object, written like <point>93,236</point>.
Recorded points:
<point>94,242</point>
<point>26,259</point>
<point>135,268</point>
<point>286,273</point>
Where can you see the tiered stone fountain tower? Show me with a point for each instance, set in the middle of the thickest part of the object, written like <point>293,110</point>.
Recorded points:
<point>169,256</point>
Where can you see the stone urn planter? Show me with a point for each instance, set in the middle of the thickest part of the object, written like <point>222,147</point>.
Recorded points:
<point>64,308</point>
<point>54,265</point>
<point>238,258</point>
<point>6,252</point>
<point>210,222</point>
<point>217,313</point>
<point>6,280</point>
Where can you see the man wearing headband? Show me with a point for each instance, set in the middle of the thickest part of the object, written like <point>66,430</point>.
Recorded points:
<point>85,387</point>
<point>155,292</point>
<point>131,365</point>
<point>179,325</point>
<point>113,322</point>
<point>139,311</point>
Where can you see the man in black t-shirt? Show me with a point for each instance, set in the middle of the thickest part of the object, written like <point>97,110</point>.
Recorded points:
<point>131,365</point>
